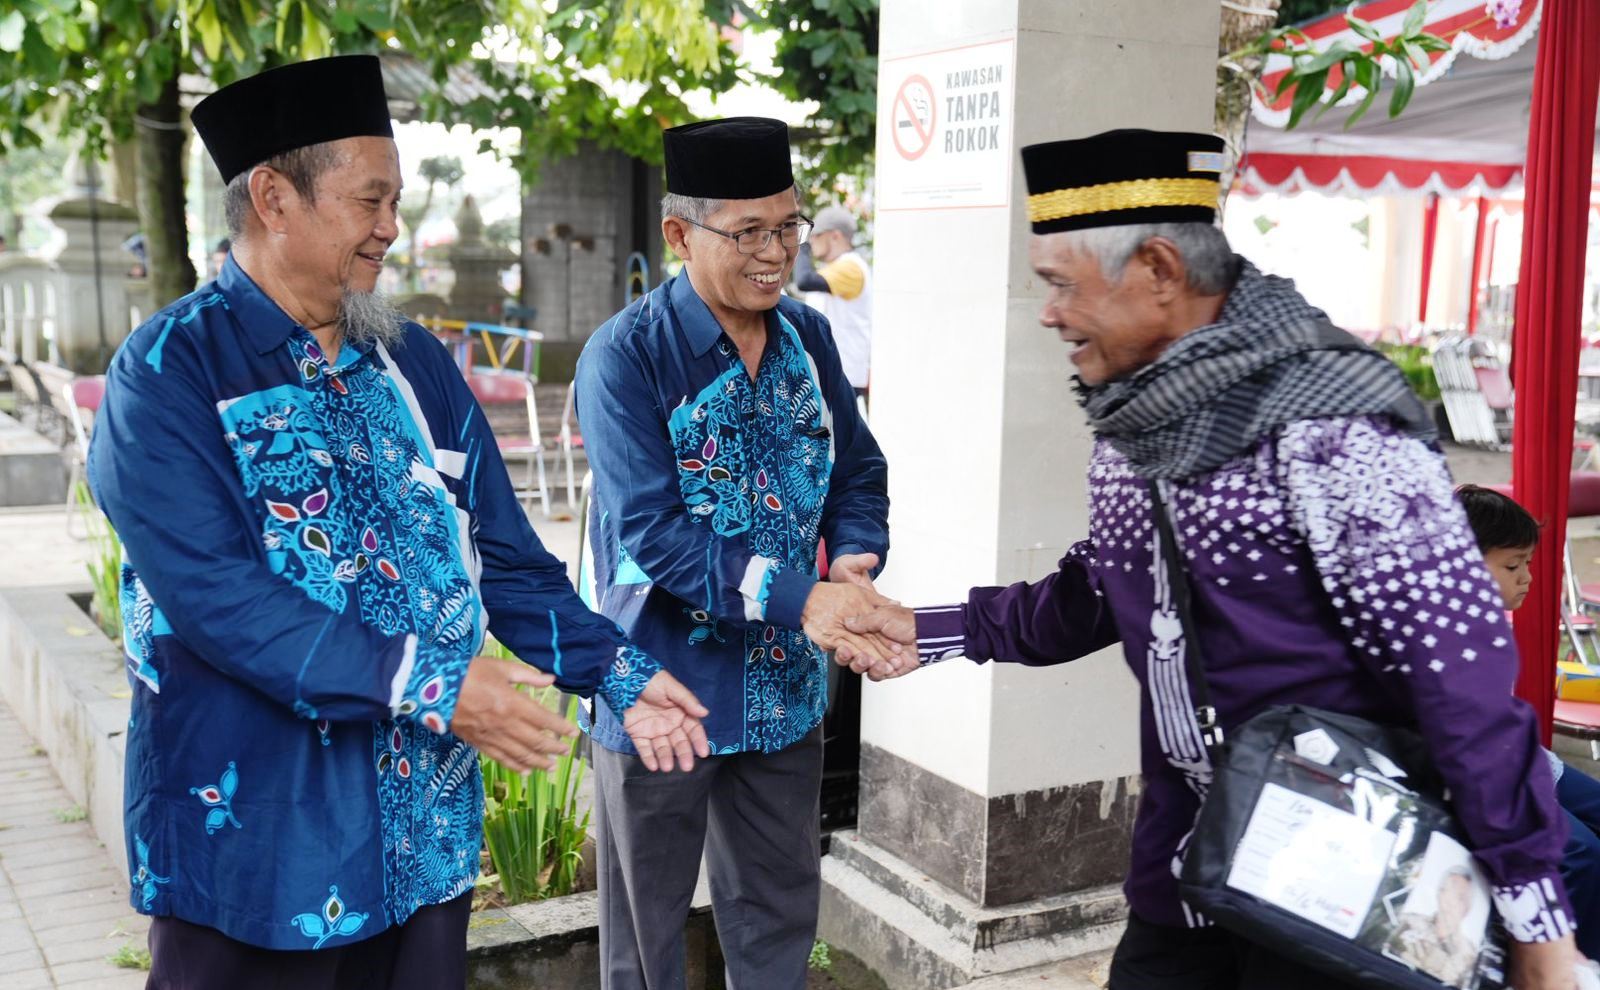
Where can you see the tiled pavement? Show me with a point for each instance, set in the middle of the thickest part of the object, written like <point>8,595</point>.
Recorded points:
<point>63,908</point>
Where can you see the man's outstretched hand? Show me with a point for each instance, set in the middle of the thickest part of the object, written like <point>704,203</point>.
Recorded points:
<point>830,604</point>
<point>894,624</point>
<point>505,724</point>
<point>664,725</point>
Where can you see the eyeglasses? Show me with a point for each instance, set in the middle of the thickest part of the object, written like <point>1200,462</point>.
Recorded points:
<point>754,240</point>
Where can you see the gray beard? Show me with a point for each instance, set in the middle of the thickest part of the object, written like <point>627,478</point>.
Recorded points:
<point>369,318</point>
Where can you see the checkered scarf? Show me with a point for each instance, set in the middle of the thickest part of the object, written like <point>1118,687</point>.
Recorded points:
<point>1270,359</point>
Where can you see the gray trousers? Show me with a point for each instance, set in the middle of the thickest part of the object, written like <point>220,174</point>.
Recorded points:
<point>754,816</point>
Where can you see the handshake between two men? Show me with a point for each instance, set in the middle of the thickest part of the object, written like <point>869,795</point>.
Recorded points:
<point>865,631</point>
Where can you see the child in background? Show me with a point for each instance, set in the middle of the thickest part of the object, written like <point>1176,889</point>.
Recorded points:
<point>1507,535</point>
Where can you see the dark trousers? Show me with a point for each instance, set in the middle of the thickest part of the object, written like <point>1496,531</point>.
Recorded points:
<point>754,817</point>
<point>1579,796</point>
<point>1158,957</point>
<point>428,952</point>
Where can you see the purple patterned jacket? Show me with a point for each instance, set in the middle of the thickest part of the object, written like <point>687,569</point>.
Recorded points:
<point>1331,566</point>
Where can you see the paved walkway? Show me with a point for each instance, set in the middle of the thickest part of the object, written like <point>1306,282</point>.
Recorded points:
<point>63,909</point>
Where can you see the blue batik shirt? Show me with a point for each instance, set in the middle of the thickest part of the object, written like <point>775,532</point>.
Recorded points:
<point>711,490</point>
<point>315,549</point>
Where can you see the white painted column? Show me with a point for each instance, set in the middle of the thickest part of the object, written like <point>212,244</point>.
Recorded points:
<point>987,448</point>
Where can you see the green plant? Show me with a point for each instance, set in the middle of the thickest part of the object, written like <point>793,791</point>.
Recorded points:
<point>1415,362</point>
<point>531,824</point>
<point>76,813</point>
<point>129,957</point>
<point>1359,64</point>
<point>105,563</point>
<point>819,959</point>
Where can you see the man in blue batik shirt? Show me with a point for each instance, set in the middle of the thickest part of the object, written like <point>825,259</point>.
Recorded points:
<point>725,442</point>
<point>319,528</point>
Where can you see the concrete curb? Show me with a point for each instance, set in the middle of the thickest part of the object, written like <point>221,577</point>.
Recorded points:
<point>65,681</point>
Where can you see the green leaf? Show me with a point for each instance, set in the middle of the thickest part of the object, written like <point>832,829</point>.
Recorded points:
<point>210,30</point>
<point>1432,42</point>
<point>821,54</point>
<point>1414,18</point>
<point>11,28</point>
<point>1418,57</point>
<point>1405,83</point>
<point>1307,92</point>
<point>1371,79</point>
<point>1363,28</point>
<point>1336,52</point>
<point>1345,82</point>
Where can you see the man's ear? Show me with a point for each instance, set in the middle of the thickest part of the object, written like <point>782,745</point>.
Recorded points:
<point>676,233</point>
<point>271,195</point>
<point>1164,266</point>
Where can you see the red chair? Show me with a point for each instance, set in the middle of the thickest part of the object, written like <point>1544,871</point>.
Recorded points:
<point>1579,720</point>
<point>503,387</point>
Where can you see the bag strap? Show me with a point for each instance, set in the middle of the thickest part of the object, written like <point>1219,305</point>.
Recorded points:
<point>1205,713</point>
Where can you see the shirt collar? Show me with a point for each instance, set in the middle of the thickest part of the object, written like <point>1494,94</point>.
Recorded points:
<point>699,326</point>
<point>264,321</point>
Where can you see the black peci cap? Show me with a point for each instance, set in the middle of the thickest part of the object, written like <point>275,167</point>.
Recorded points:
<point>733,158</point>
<point>292,106</point>
<point>1123,177</point>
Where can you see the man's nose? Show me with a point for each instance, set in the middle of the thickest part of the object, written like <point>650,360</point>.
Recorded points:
<point>388,227</point>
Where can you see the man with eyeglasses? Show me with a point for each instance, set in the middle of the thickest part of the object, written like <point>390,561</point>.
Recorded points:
<point>725,443</point>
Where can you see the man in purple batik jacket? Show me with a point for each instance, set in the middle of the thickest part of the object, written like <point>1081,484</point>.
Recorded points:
<point>1330,564</point>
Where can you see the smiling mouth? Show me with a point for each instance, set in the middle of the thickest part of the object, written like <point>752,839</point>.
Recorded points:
<point>766,280</point>
<point>376,259</point>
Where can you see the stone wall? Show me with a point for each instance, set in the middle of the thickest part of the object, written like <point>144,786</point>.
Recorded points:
<point>580,222</point>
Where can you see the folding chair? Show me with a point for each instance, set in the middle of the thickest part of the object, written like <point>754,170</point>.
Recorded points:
<point>1579,720</point>
<point>504,386</point>
<point>570,440</point>
<point>82,395</point>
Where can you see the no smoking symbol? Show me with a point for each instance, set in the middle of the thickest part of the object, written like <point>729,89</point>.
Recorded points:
<point>915,115</point>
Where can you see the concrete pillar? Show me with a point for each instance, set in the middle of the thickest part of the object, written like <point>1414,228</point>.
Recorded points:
<point>996,800</point>
<point>95,229</point>
<point>477,293</point>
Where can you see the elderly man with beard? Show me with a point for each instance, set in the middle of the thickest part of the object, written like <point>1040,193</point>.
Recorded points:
<point>1329,562</point>
<point>318,529</point>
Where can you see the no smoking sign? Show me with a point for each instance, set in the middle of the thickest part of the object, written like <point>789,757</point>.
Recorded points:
<point>944,127</point>
<point>916,114</point>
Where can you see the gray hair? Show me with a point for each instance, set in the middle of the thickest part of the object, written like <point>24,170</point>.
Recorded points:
<point>301,166</point>
<point>1212,265</point>
<point>689,207</point>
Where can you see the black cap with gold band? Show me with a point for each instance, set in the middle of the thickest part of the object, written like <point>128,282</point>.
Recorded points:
<point>1123,177</point>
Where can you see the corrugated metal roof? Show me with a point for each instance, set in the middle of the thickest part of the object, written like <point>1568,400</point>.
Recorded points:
<point>405,78</point>
<point>407,81</point>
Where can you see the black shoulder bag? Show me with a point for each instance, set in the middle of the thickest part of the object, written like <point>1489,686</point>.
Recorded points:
<point>1327,838</point>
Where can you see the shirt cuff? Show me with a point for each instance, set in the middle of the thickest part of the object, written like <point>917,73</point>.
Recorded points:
<point>428,683</point>
<point>786,592</point>
<point>1535,910</point>
<point>941,633</point>
<point>625,680</point>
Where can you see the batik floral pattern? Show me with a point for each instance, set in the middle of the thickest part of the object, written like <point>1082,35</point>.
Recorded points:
<point>351,514</point>
<point>755,458</point>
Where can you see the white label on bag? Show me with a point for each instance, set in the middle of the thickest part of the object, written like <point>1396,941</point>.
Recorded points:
<point>1311,859</point>
<point>1316,746</point>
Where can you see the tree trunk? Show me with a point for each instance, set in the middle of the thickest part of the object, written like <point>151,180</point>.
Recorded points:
<point>160,136</point>
<point>1234,85</point>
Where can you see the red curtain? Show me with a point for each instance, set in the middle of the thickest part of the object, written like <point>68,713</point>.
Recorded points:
<point>1430,233</point>
<point>1549,296</point>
